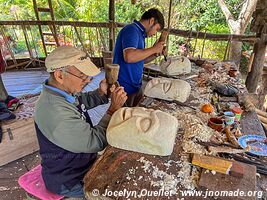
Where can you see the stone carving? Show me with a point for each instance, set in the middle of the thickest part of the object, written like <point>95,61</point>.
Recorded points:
<point>168,89</point>
<point>142,130</point>
<point>175,65</point>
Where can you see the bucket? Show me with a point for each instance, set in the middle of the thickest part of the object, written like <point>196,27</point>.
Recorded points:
<point>229,117</point>
<point>216,124</point>
<point>237,111</point>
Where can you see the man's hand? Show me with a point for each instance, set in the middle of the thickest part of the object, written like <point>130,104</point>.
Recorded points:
<point>164,51</point>
<point>118,98</point>
<point>158,47</point>
<point>103,87</point>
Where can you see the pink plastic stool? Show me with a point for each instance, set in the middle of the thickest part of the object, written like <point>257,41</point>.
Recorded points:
<point>33,183</point>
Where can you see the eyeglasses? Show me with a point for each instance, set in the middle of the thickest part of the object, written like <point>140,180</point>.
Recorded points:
<point>83,77</point>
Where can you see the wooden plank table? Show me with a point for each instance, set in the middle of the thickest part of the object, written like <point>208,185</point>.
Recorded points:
<point>121,170</point>
<point>121,174</point>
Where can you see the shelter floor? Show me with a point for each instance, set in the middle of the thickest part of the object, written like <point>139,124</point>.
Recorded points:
<point>9,174</point>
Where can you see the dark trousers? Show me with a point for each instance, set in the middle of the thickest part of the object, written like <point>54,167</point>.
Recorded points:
<point>134,99</point>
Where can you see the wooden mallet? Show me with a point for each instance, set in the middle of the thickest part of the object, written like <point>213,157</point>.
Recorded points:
<point>112,73</point>
<point>163,38</point>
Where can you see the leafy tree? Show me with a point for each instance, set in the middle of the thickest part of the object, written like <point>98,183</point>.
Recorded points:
<point>238,24</point>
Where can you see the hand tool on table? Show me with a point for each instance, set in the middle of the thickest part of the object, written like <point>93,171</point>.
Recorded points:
<point>177,102</point>
<point>261,166</point>
<point>226,149</point>
<point>146,102</point>
<point>149,100</point>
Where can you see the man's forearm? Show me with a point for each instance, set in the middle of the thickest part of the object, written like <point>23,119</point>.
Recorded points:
<point>136,55</point>
<point>93,99</point>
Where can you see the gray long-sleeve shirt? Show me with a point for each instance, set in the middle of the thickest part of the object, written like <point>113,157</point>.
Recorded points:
<point>58,118</point>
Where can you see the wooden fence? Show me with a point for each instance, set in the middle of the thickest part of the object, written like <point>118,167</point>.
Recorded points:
<point>95,38</point>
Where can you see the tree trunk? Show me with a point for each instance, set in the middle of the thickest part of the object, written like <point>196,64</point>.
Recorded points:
<point>235,52</point>
<point>3,92</point>
<point>238,26</point>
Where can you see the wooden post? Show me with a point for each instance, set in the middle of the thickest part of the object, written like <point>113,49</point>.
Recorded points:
<point>203,45</point>
<point>80,39</point>
<point>169,22</point>
<point>26,41</point>
<point>39,26</point>
<point>255,74</point>
<point>53,25</point>
<point>32,60</point>
<point>263,91</point>
<point>111,18</point>
<point>3,92</point>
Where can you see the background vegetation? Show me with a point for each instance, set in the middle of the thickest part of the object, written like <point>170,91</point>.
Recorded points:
<point>198,15</point>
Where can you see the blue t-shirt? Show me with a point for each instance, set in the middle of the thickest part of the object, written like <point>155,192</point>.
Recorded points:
<point>130,74</point>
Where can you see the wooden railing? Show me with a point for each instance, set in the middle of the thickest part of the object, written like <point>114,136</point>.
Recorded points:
<point>93,37</point>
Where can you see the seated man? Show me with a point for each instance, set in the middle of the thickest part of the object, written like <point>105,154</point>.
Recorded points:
<point>67,138</point>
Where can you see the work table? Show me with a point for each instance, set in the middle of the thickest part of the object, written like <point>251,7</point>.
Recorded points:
<point>121,174</point>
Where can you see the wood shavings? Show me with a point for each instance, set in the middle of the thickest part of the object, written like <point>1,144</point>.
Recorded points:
<point>146,165</point>
<point>188,174</point>
<point>194,129</point>
<point>192,147</point>
<point>201,96</point>
<point>132,171</point>
<point>161,179</point>
<point>157,173</point>
<point>2,188</point>
<point>168,164</point>
<point>166,181</point>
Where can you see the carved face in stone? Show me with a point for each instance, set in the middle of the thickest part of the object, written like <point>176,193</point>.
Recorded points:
<point>142,130</point>
<point>168,89</point>
<point>146,120</point>
<point>176,65</point>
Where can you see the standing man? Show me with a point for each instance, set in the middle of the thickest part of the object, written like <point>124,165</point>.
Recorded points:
<point>67,138</point>
<point>130,52</point>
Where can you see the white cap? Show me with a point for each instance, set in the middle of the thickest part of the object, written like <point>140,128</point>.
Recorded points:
<point>70,56</point>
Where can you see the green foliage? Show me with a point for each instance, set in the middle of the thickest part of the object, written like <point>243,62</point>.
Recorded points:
<point>199,15</point>
<point>217,28</point>
<point>20,47</point>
